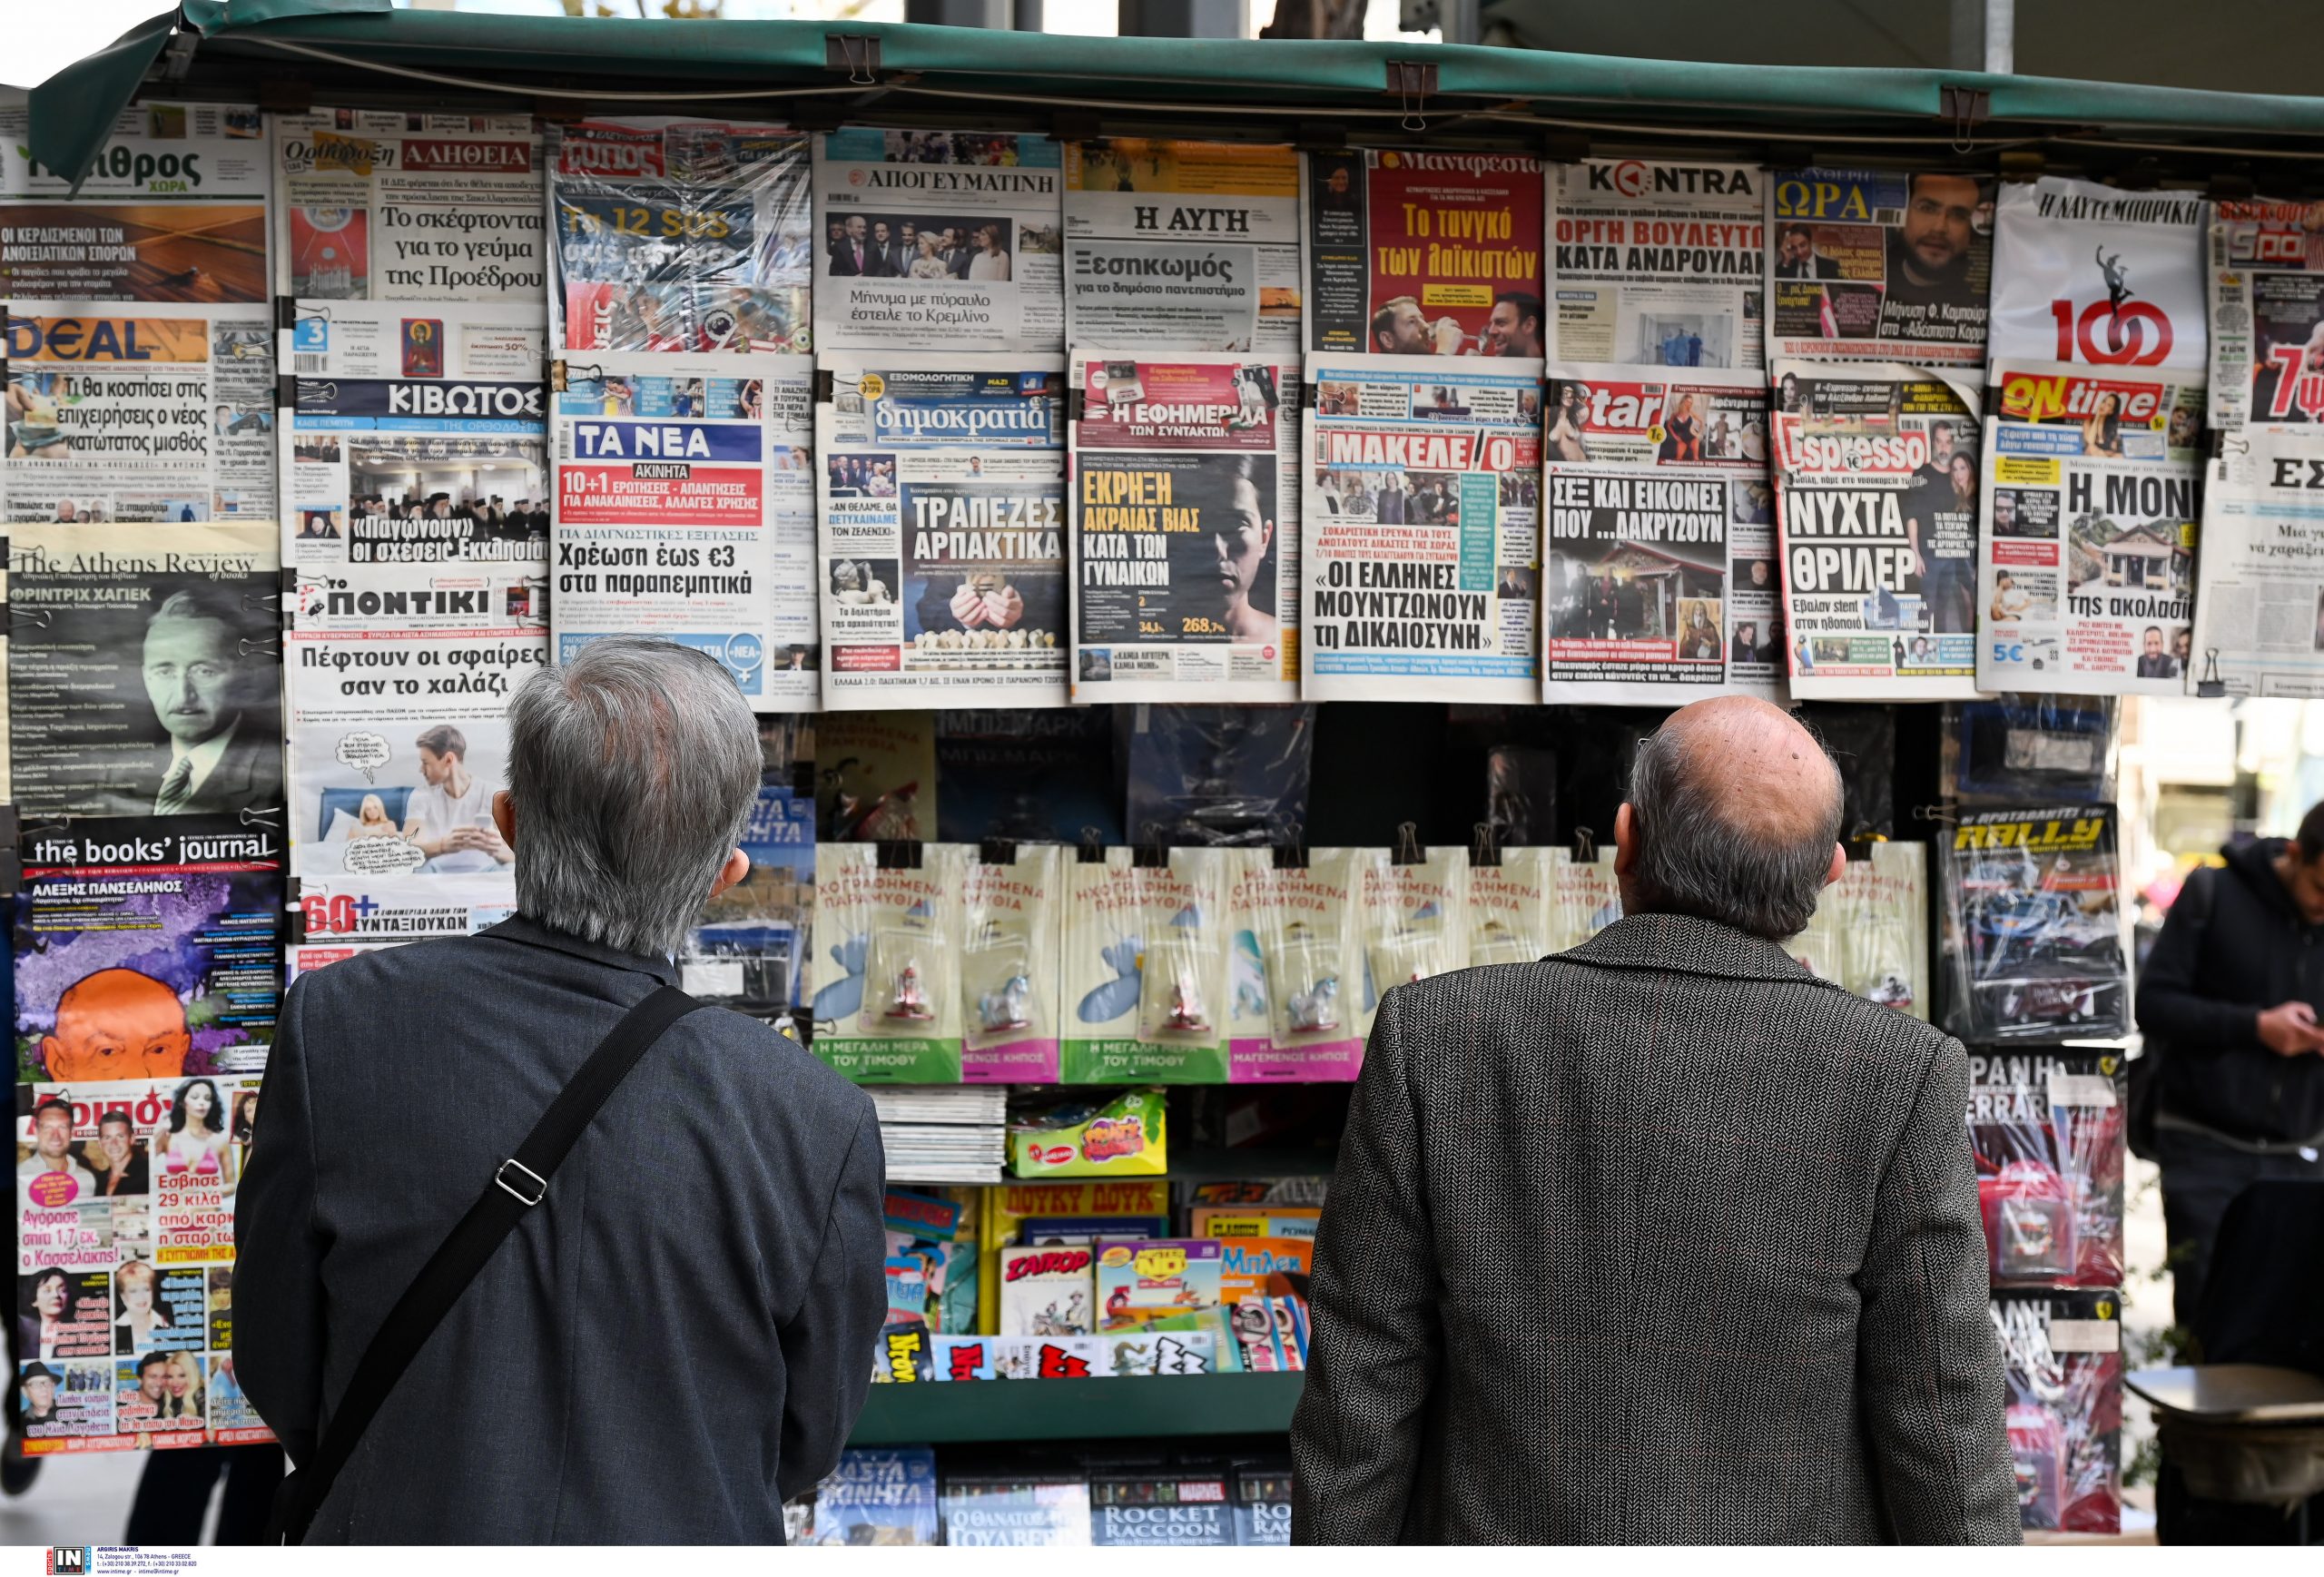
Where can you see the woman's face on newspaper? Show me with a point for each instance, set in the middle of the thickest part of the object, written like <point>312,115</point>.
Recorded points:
<point>1242,542</point>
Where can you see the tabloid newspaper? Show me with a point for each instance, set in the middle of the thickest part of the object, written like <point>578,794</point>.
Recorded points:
<point>339,917</point>
<point>1181,246</point>
<point>2266,276</point>
<point>949,241</point>
<point>2086,572</point>
<point>414,433</point>
<point>1875,472</point>
<point>1658,263</point>
<point>1422,530</point>
<point>1185,487</point>
<point>1878,265</point>
<point>407,205</point>
<point>143,673</point>
<point>172,210</point>
<point>138,413</point>
<point>942,550</point>
<point>399,677</point>
<point>1660,554</point>
<point>2085,272</point>
<point>2259,592</point>
<point>686,510</point>
<point>678,235</point>
<point>1425,253</point>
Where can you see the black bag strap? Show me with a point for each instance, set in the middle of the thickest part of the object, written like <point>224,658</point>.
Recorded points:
<point>518,1185</point>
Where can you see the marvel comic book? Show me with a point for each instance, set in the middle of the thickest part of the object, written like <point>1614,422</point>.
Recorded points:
<point>1263,1503</point>
<point>2063,1352</point>
<point>1015,1509</point>
<point>2036,925</point>
<point>1160,1507</point>
<point>2046,1129</point>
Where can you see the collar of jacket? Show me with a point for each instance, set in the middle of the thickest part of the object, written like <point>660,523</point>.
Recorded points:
<point>1690,946</point>
<point>529,933</point>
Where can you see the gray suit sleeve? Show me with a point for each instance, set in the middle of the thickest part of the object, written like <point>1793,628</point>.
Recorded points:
<point>1934,1393</point>
<point>279,1244</point>
<point>1356,1440</point>
<point>829,1346</point>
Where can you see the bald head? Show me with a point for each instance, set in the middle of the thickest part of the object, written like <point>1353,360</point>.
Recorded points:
<point>1733,816</point>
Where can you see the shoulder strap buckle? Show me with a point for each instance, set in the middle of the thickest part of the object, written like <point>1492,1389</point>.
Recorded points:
<point>539,1183</point>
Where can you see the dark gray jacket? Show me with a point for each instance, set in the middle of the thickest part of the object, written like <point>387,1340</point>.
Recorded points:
<point>682,1335</point>
<point>1662,1239</point>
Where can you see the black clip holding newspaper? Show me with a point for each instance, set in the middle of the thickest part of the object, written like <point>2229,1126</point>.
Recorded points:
<point>1485,849</point>
<point>1292,854</point>
<point>897,854</point>
<point>997,852</point>
<point>1092,851</point>
<point>1409,850</point>
<point>1585,846</point>
<point>1148,853</point>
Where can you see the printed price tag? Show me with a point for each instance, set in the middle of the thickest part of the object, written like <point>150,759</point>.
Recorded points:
<point>2081,1089</point>
<point>2086,1337</point>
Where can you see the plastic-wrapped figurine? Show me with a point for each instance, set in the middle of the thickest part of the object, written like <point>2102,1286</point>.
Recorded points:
<point>1008,1008</point>
<point>1186,1012</point>
<point>908,1001</point>
<point>1316,1009</point>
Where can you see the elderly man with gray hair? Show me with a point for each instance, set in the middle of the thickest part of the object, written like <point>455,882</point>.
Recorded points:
<point>1662,1240</point>
<point>655,1341</point>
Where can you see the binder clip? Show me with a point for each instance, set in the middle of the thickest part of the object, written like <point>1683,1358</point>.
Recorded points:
<point>1408,850</point>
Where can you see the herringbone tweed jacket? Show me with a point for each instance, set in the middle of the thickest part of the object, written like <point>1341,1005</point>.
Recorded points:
<point>1662,1239</point>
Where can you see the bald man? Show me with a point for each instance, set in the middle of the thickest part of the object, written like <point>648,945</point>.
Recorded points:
<point>1662,1240</point>
<point>116,1024</point>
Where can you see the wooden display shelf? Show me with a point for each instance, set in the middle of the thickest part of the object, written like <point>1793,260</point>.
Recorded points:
<point>1157,1407</point>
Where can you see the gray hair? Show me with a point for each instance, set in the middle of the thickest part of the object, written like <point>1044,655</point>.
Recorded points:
<point>1697,856</point>
<point>634,768</point>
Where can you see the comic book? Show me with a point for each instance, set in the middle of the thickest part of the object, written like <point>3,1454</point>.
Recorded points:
<point>876,1497</point>
<point>1014,1509</point>
<point>1248,1266</point>
<point>1016,1359</point>
<point>2046,1129</point>
<point>2035,926</point>
<point>1263,1503</point>
<point>2063,1354</point>
<point>1158,1508</point>
<point>1164,1276</point>
<point>1046,1291</point>
<point>1175,1344</point>
<point>1007,1209</point>
<point>1274,1221</point>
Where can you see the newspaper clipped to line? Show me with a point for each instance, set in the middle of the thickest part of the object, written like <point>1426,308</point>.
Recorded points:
<point>1662,582</point>
<point>942,561</point>
<point>408,206</point>
<point>684,510</point>
<point>399,677</point>
<point>1877,483</point>
<point>676,234</point>
<point>1422,530</point>
<point>1878,265</point>
<point>414,433</point>
<point>2260,598</point>
<point>139,414</point>
<point>1658,263</point>
<point>1174,245</point>
<point>2085,272</point>
<point>947,241</point>
<point>1185,490</point>
<point>173,208</point>
<point>2086,576</point>
<point>2267,314</point>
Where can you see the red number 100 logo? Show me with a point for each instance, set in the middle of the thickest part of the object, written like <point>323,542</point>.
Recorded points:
<point>2125,338</point>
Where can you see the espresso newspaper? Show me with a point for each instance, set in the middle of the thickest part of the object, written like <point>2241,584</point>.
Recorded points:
<point>1658,263</point>
<point>1878,265</point>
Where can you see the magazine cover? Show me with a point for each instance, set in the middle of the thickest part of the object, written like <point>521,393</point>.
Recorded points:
<point>1005,1358</point>
<point>1876,486</point>
<point>2086,573</point>
<point>2035,926</point>
<point>1175,246</point>
<point>947,241</point>
<point>144,670</point>
<point>1158,1508</point>
<point>748,950</point>
<point>1658,263</point>
<point>1660,555</point>
<point>2266,282</point>
<point>1185,482</point>
<point>173,208</point>
<point>942,573</point>
<point>1879,265</point>
<point>685,511</point>
<point>2046,1129</point>
<point>999,1508</point>
<point>877,1497</point>
<point>2259,590</point>
<point>2097,275</point>
<point>2063,1352</point>
<point>1421,530</point>
<point>1046,1291</point>
<point>1263,1503</point>
<point>678,235</point>
<point>1424,253</point>
<point>875,776</point>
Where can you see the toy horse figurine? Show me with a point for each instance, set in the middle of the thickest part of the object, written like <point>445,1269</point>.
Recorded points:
<point>1316,1009</point>
<point>1187,1014</point>
<point>1006,1008</point>
<point>908,1001</point>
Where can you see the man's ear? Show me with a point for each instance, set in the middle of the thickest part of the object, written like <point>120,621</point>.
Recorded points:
<point>504,815</point>
<point>737,866</point>
<point>1625,840</point>
<point>1839,865</point>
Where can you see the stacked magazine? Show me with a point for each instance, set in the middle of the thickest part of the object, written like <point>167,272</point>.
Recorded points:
<point>943,1133</point>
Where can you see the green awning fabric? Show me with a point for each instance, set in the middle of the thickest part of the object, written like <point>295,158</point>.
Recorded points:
<point>358,46</point>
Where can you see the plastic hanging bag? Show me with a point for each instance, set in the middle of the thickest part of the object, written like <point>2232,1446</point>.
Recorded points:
<point>1294,930</point>
<point>1010,964</point>
<point>1412,918</point>
<point>885,993</point>
<point>1509,907</point>
<point>1145,970</point>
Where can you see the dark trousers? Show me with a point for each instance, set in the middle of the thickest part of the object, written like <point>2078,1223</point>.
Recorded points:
<point>2201,1176</point>
<point>174,1492</point>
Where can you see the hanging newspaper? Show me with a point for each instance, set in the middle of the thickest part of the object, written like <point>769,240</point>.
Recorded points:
<point>1421,531</point>
<point>173,209</point>
<point>2085,272</point>
<point>945,239</point>
<point>1185,485</point>
<point>143,671</point>
<point>1413,253</point>
<point>335,917</point>
<point>415,434</point>
<point>942,572</point>
<point>2267,314</point>
<point>1657,264</point>
<point>2259,600</point>
<point>1181,246</point>
<point>399,679</point>
<point>1660,559</point>
<point>678,235</point>
<point>408,206</point>
<point>1877,485</point>
<point>1878,264</point>
<point>684,512</point>
<point>2087,577</point>
<point>143,413</point>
